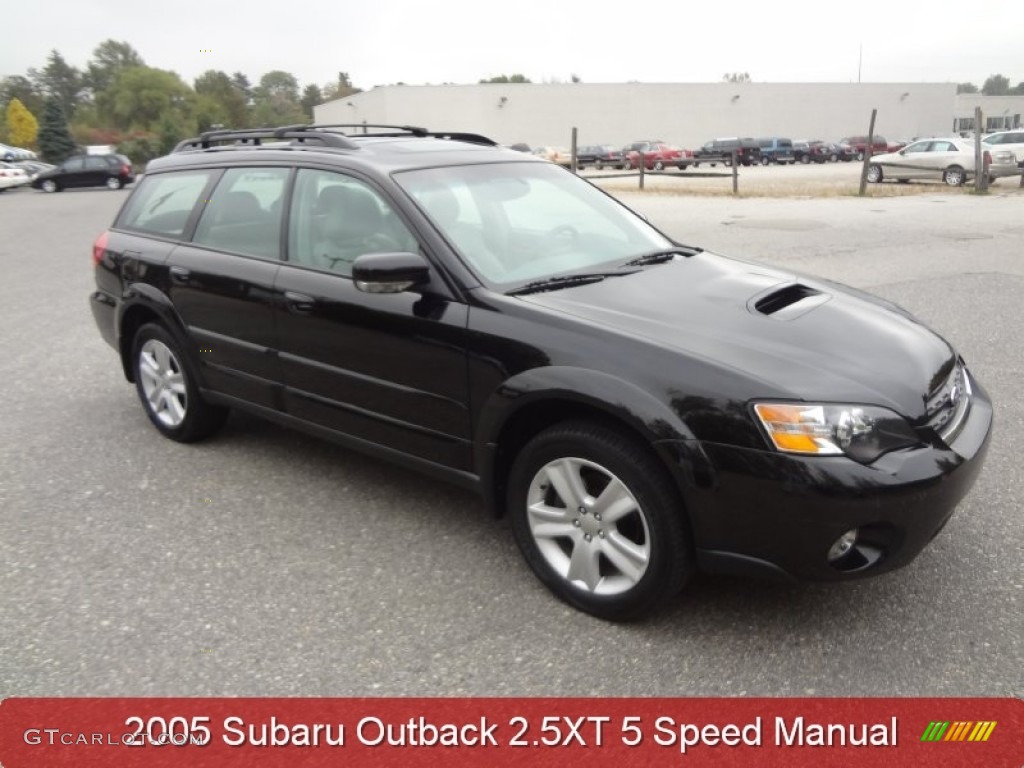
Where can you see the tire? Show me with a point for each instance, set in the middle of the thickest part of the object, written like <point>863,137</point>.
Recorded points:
<point>874,174</point>
<point>598,166</point>
<point>805,159</point>
<point>166,385</point>
<point>114,183</point>
<point>860,155</point>
<point>954,176</point>
<point>49,185</point>
<point>659,166</point>
<point>562,483</point>
<point>764,161</point>
<point>833,158</point>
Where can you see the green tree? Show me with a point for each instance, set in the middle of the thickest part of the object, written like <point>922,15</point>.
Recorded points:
<point>736,77</point>
<point>966,88</point>
<point>241,82</point>
<point>219,101</point>
<point>59,80</point>
<point>278,83</point>
<point>22,126</point>
<point>140,98</point>
<point>109,58</point>
<point>55,142</point>
<point>996,85</point>
<point>311,97</point>
<point>21,88</point>
<point>516,78</point>
<point>341,88</point>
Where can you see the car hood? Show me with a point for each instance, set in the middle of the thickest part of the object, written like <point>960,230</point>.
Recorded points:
<point>795,337</point>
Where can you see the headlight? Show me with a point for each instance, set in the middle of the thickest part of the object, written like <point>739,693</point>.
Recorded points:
<point>861,432</point>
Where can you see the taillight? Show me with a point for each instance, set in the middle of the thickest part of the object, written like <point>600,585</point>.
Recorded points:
<point>126,170</point>
<point>99,248</point>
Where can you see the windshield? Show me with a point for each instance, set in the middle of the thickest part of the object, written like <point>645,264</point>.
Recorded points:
<point>514,223</point>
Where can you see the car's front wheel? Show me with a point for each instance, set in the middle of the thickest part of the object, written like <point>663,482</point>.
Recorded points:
<point>954,176</point>
<point>598,520</point>
<point>168,390</point>
<point>49,185</point>
<point>874,173</point>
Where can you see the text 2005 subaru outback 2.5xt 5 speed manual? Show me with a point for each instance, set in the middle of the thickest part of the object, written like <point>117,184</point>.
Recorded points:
<point>639,408</point>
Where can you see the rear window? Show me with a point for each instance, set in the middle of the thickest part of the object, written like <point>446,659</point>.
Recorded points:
<point>163,203</point>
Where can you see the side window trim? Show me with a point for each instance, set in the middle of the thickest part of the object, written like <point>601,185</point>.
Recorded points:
<point>197,210</point>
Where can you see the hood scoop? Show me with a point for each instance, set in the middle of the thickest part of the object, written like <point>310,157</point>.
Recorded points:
<point>788,301</point>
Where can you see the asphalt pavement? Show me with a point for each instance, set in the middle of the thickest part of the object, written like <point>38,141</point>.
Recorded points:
<point>264,562</point>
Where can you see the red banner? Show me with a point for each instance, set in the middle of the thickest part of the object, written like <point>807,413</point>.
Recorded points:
<point>223,733</point>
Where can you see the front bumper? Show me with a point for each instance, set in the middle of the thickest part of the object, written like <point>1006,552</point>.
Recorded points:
<point>778,514</point>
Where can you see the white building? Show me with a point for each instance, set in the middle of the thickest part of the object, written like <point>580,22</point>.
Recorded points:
<point>687,114</point>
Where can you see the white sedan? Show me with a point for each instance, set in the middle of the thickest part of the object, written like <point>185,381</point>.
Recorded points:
<point>12,176</point>
<point>951,160</point>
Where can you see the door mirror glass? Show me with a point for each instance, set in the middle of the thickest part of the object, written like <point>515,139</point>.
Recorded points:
<point>390,272</point>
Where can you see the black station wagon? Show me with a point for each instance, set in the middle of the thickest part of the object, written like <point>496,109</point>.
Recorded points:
<point>639,408</point>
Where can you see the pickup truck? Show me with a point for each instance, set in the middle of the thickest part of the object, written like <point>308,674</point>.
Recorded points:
<point>879,146</point>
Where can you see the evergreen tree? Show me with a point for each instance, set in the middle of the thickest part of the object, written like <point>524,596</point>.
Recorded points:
<point>55,142</point>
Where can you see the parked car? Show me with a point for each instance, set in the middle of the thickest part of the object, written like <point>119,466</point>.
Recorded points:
<point>814,151</point>
<point>657,155</point>
<point>521,147</point>
<point>12,176</point>
<point>111,171</point>
<point>599,156</point>
<point>878,145</point>
<point>33,167</point>
<point>949,160</point>
<point>9,153</point>
<point>1008,140</point>
<point>776,150</point>
<point>557,155</point>
<point>638,408</point>
<point>747,151</point>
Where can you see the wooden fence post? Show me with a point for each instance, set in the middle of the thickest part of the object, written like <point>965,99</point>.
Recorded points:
<point>867,155</point>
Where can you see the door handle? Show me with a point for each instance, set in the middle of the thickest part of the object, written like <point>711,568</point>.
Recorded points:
<point>299,303</point>
<point>180,275</point>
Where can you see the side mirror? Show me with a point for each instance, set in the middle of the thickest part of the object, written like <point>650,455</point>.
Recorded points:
<point>390,272</point>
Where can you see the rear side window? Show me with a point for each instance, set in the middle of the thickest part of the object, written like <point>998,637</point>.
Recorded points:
<point>243,215</point>
<point>163,203</point>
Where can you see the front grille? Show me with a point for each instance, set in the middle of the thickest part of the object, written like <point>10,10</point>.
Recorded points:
<point>947,407</point>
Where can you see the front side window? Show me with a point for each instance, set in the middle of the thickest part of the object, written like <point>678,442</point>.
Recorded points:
<point>920,146</point>
<point>336,218</point>
<point>96,163</point>
<point>516,222</point>
<point>163,202</point>
<point>243,215</point>
<point>74,164</point>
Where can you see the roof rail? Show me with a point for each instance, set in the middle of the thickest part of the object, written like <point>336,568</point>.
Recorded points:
<point>299,134</point>
<point>318,134</point>
<point>401,130</point>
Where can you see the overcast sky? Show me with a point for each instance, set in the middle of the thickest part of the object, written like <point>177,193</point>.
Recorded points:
<point>460,41</point>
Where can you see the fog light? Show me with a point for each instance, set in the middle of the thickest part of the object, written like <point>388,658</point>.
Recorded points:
<point>842,545</point>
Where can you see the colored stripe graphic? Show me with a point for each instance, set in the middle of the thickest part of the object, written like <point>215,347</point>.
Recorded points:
<point>959,730</point>
<point>934,730</point>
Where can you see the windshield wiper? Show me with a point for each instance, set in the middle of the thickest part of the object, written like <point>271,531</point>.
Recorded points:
<point>566,281</point>
<point>660,256</point>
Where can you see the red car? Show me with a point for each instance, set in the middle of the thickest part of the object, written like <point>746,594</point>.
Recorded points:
<point>657,155</point>
<point>878,146</point>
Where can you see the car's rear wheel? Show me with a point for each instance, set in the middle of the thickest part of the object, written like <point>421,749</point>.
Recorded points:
<point>49,185</point>
<point>805,159</point>
<point>954,176</point>
<point>113,183</point>
<point>659,166</point>
<point>598,520</point>
<point>860,155</point>
<point>874,173</point>
<point>167,388</point>
<point>764,161</point>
